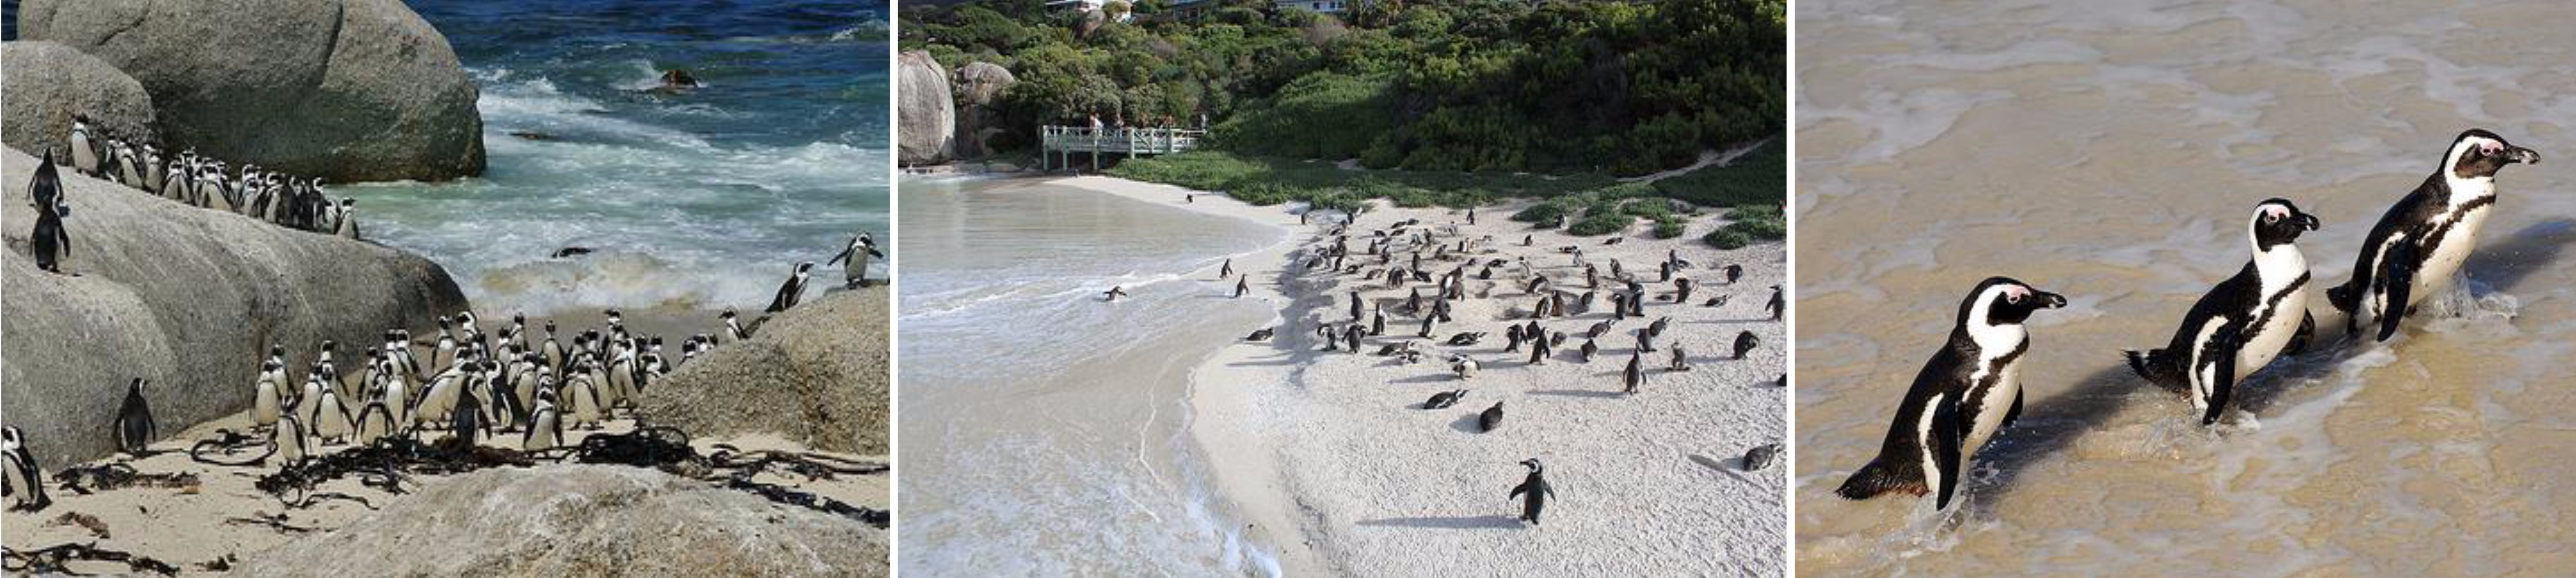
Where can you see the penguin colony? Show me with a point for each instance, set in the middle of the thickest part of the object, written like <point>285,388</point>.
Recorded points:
<point>187,177</point>
<point>1970,391</point>
<point>1410,269</point>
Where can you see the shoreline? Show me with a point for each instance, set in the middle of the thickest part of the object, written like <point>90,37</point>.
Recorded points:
<point>1334,470</point>
<point>1249,486</point>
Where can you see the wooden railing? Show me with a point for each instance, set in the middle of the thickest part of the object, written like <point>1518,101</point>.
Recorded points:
<point>1056,144</point>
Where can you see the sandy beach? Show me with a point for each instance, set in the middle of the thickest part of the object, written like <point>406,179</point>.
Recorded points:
<point>217,516</point>
<point>1330,463</point>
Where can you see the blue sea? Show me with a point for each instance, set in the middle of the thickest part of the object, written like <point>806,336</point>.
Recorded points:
<point>698,200</point>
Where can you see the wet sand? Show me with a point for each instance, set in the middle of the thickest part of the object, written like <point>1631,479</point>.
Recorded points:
<point>2111,154</point>
<point>1326,455</point>
<point>188,526</point>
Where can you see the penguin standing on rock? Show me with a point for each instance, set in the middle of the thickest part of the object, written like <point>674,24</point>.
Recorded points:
<point>50,242</point>
<point>793,289</point>
<point>861,248</point>
<point>2244,322</point>
<point>2418,246</point>
<point>1969,390</point>
<point>1535,489</point>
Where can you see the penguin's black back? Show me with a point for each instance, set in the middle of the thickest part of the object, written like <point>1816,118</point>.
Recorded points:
<point>1896,466</point>
<point>2231,298</point>
<point>2413,215</point>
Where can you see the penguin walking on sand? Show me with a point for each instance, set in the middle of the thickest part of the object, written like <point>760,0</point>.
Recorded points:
<point>1242,285</point>
<point>1489,419</point>
<point>793,289</point>
<point>2417,247</point>
<point>50,241</point>
<point>861,248</point>
<point>1535,489</point>
<point>25,482</point>
<point>289,443</point>
<point>1635,375</point>
<point>134,425</point>
<point>1681,360</point>
<point>1225,270</point>
<point>1745,341</point>
<point>2244,322</point>
<point>1969,390</point>
<point>1779,305</point>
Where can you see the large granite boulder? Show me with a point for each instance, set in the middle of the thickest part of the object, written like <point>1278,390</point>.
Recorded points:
<point>926,123</point>
<point>979,116</point>
<point>824,360</point>
<point>346,90</point>
<point>48,82</point>
<point>578,521</point>
<point>188,298</point>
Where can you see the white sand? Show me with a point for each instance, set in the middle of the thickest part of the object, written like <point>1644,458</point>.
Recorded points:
<point>1329,462</point>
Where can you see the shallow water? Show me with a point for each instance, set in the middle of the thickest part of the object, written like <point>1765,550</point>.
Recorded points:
<point>701,200</point>
<point>1045,431</point>
<point>2108,151</point>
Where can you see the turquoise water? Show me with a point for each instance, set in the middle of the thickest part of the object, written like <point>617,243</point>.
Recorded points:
<point>701,200</point>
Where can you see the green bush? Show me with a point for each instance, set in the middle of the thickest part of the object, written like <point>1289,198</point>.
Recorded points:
<point>1759,177</point>
<point>1600,222</point>
<point>1669,228</point>
<point>1727,239</point>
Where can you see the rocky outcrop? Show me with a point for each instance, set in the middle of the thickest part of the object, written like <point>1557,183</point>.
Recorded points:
<point>576,521</point>
<point>926,123</point>
<point>188,298</point>
<point>979,117</point>
<point>346,90</point>
<point>48,82</point>
<point>823,363</point>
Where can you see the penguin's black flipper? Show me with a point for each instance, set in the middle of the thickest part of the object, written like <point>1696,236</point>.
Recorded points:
<point>1947,435</point>
<point>2397,274</point>
<point>2222,386</point>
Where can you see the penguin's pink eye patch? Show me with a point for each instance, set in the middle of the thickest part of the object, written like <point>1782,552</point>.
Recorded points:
<point>2015,294</point>
<point>2489,148</point>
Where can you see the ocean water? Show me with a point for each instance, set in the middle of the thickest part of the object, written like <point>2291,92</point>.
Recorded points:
<point>1045,431</point>
<point>702,200</point>
<point>2110,151</point>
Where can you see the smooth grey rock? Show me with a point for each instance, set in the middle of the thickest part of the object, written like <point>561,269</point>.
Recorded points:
<point>346,90</point>
<point>815,374</point>
<point>926,123</point>
<point>48,82</point>
<point>563,521</point>
<point>186,297</point>
<point>979,93</point>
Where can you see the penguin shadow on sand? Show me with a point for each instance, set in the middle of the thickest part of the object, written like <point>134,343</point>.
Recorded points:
<point>1494,522</point>
<point>1732,467</point>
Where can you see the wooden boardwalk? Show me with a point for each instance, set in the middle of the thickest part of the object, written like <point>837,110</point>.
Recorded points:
<point>1057,144</point>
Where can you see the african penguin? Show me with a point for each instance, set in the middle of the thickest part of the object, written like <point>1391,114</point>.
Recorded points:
<point>861,248</point>
<point>1970,389</point>
<point>1535,488</point>
<point>2245,321</point>
<point>794,288</point>
<point>25,481</point>
<point>2416,248</point>
<point>134,426</point>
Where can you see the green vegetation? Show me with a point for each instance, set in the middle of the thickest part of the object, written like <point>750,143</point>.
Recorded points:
<point>1752,223</point>
<point>1752,179</point>
<point>1450,86</point>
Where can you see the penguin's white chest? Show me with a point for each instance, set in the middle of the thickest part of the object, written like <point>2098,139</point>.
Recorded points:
<point>2442,262</point>
<point>2274,333</point>
<point>1993,402</point>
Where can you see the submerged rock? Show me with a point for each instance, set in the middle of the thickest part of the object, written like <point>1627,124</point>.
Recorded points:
<point>47,83</point>
<point>814,374</point>
<point>346,90</point>
<point>582,520</point>
<point>926,116</point>
<point>186,297</point>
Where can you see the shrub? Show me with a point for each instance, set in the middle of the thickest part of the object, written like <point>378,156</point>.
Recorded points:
<point>1727,239</point>
<point>1760,177</point>
<point>1600,222</point>
<point>1669,228</point>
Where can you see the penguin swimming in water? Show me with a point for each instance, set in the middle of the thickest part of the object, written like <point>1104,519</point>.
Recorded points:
<point>134,426</point>
<point>2242,323</point>
<point>2417,247</point>
<point>25,482</point>
<point>1536,489</point>
<point>1491,418</point>
<point>1444,399</point>
<point>1969,390</point>
<point>793,289</point>
<point>861,248</point>
<point>1114,293</point>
